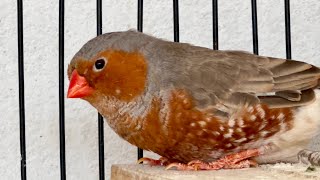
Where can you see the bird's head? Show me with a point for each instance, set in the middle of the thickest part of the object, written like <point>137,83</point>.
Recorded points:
<point>103,67</point>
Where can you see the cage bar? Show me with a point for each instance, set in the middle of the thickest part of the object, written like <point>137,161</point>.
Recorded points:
<point>288,28</point>
<point>100,118</point>
<point>140,29</point>
<point>101,146</point>
<point>140,16</point>
<point>215,24</point>
<point>61,93</point>
<point>254,27</point>
<point>21,91</point>
<point>175,21</point>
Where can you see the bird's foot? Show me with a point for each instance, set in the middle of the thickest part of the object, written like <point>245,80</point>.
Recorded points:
<point>154,162</point>
<point>232,161</point>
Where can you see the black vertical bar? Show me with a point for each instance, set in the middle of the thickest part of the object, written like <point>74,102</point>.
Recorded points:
<point>140,29</point>
<point>215,24</point>
<point>100,118</point>
<point>288,28</point>
<point>21,92</point>
<point>99,17</point>
<point>140,15</point>
<point>254,27</point>
<point>175,20</point>
<point>61,92</point>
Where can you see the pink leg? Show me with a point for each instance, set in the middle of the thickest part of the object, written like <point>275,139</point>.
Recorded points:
<point>235,158</point>
<point>182,166</point>
<point>232,161</point>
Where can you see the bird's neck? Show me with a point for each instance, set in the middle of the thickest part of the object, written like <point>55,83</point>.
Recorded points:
<point>123,117</point>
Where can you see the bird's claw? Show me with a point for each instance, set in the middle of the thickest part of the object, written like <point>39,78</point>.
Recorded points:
<point>154,162</point>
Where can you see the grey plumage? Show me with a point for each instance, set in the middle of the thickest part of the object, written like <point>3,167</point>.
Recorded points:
<point>216,78</point>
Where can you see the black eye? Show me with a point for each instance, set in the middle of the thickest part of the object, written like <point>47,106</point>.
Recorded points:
<point>99,64</point>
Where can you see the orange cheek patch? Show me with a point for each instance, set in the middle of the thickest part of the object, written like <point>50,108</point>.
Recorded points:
<point>124,76</point>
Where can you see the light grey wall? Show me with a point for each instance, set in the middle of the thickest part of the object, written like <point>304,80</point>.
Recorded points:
<point>41,69</point>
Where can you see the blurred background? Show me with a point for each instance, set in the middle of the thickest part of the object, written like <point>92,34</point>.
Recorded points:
<point>41,69</point>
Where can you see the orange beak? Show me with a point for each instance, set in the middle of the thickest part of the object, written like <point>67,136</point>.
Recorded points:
<point>79,86</point>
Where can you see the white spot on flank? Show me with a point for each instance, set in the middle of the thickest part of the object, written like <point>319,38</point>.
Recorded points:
<point>221,128</point>
<point>240,122</point>
<point>231,122</point>
<point>228,145</point>
<point>138,127</point>
<point>229,134</point>
<point>202,123</point>
<point>240,140</point>
<point>185,101</point>
<point>250,109</point>
<point>263,125</point>
<point>239,129</point>
<point>215,133</point>
<point>261,112</point>
<point>280,116</point>
<point>209,119</point>
<point>118,91</point>
<point>205,130</point>
<point>253,117</point>
<point>193,124</point>
<point>264,133</point>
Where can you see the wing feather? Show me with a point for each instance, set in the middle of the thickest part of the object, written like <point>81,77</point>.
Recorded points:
<point>234,78</point>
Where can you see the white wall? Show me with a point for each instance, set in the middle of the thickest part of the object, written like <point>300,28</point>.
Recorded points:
<point>41,69</point>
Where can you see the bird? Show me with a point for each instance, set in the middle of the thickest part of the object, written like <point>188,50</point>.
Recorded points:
<point>198,108</point>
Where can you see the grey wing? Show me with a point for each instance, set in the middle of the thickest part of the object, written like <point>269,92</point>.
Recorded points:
<point>226,80</point>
